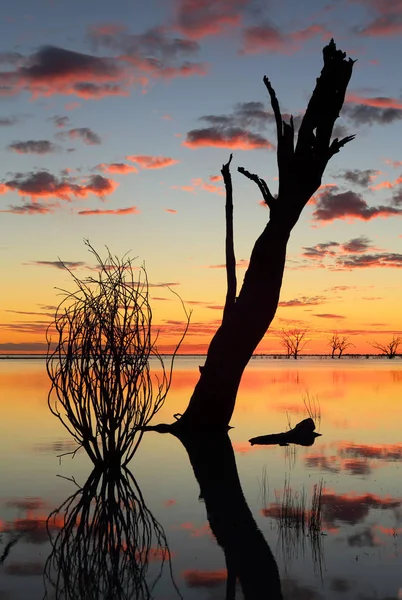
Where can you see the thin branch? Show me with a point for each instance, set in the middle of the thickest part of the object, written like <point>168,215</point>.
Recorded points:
<point>275,107</point>
<point>285,133</point>
<point>229,243</point>
<point>336,144</point>
<point>266,194</point>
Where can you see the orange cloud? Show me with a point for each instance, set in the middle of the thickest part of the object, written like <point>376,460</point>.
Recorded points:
<point>394,163</point>
<point>152,162</point>
<point>199,184</point>
<point>242,264</point>
<point>204,579</point>
<point>116,211</point>
<point>171,210</point>
<point>120,168</point>
<point>41,184</point>
<point>234,138</point>
<point>378,102</point>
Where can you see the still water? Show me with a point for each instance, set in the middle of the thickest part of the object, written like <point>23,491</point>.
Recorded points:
<point>357,555</point>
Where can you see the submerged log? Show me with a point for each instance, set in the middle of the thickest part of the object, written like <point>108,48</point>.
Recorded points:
<point>302,434</point>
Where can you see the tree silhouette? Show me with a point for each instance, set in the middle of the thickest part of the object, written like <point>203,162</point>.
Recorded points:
<point>294,341</point>
<point>338,342</point>
<point>391,348</point>
<point>247,317</point>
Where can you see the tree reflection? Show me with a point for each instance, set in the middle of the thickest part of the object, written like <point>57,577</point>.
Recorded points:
<point>110,546</point>
<point>248,556</point>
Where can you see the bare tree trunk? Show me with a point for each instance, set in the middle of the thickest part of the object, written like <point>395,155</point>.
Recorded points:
<point>300,172</point>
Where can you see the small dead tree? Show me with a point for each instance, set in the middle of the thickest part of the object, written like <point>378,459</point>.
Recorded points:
<point>107,377</point>
<point>391,348</point>
<point>340,343</point>
<point>294,340</point>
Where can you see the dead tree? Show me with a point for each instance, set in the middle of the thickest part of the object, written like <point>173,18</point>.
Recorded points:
<point>339,343</point>
<point>294,340</point>
<point>391,348</point>
<point>301,165</point>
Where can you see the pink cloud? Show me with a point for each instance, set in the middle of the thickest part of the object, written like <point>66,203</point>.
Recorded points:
<point>378,101</point>
<point>131,210</point>
<point>152,162</point>
<point>41,184</point>
<point>197,19</point>
<point>267,38</point>
<point>234,138</point>
<point>120,168</point>
<point>171,210</point>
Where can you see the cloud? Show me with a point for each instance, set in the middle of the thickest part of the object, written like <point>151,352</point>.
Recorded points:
<point>348,205</point>
<point>209,17</point>
<point>362,110</point>
<point>352,509</point>
<point>378,260</point>
<point>171,210</point>
<point>378,101</point>
<point>32,208</point>
<point>233,130</point>
<point>33,147</point>
<point>59,121</point>
<point>116,168</point>
<point>387,21</point>
<point>152,53</point>
<point>116,211</point>
<point>363,539</point>
<point>199,184</point>
<point>319,251</point>
<point>322,462</point>
<point>394,163</point>
<point>152,162</point>
<point>266,37</point>
<point>10,58</point>
<point>204,579</point>
<point>385,452</point>
<point>58,264</point>
<point>8,121</point>
<point>359,244</point>
<point>357,467</point>
<point>54,70</point>
<point>329,316</point>
<point>242,264</point>
<point>227,137</point>
<point>41,184</point>
<point>85,134</point>
<point>303,301</point>
<point>361,178</point>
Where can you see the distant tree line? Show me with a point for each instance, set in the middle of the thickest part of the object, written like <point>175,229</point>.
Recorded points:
<point>294,340</point>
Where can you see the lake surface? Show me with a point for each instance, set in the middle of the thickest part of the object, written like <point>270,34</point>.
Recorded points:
<point>357,555</point>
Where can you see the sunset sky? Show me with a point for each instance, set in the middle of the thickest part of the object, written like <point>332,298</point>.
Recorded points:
<point>116,119</point>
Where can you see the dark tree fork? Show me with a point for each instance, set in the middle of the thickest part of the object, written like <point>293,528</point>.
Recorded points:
<point>246,318</point>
